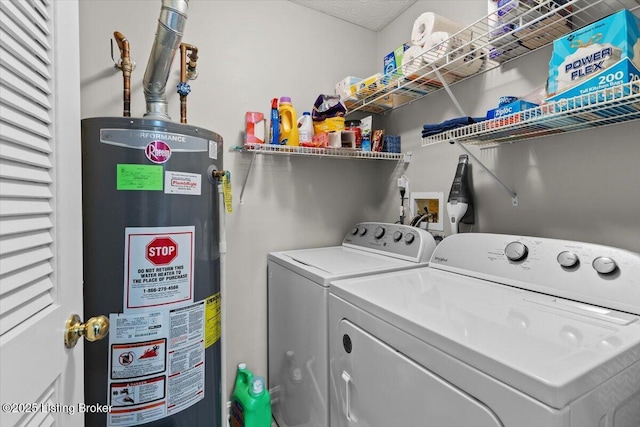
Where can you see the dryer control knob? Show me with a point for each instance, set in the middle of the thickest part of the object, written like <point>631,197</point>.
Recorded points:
<point>604,265</point>
<point>379,232</point>
<point>568,259</point>
<point>516,251</point>
<point>363,231</point>
<point>409,238</point>
<point>354,231</point>
<point>397,236</point>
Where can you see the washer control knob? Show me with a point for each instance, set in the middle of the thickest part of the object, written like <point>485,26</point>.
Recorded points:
<point>568,259</point>
<point>379,232</point>
<point>604,265</point>
<point>354,231</point>
<point>397,236</point>
<point>516,251</point>
<point>363,231</point>
<point>409,238</point>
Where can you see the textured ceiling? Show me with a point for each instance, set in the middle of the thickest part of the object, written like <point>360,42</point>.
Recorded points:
<point>371,14</point>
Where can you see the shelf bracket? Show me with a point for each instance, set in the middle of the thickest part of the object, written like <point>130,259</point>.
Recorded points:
<point>514,196</point>
<point>446,87</point>
<point>246,177</point>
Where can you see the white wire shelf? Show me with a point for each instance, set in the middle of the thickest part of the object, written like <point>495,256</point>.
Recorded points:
<point>330,152</point>
<point>344,153</point>
<point>605,107</point>
<point>481,44</point>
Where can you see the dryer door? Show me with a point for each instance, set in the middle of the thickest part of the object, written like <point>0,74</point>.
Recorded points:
<point>378,386</point>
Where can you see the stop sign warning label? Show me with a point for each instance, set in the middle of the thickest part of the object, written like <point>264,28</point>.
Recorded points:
<point>158,267</point>
<point>162,250</point>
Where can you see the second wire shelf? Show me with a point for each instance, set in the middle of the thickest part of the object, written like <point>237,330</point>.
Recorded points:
<point>605,107</point>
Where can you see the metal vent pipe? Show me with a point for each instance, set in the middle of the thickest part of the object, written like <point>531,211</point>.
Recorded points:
<point>173,17</point>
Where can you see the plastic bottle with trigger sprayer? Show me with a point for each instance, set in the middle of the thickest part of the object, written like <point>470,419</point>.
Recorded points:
<point>274,127</point>
<point>288,122</point>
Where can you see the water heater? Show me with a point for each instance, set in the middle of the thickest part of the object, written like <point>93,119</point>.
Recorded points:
<point>152,264</point>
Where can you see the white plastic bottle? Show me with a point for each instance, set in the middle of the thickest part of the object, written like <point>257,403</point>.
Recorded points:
<point>305,128</point>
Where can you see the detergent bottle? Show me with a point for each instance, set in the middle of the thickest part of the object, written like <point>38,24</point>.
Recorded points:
<point>305,128</point>
<point>250,401</point>
<point>288,122</point>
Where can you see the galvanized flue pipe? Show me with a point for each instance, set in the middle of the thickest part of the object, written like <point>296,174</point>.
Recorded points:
<point>171,23</point>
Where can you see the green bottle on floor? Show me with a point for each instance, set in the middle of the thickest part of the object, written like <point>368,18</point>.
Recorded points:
<point>250,401</point>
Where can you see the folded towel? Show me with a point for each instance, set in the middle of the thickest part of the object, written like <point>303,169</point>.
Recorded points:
<point>432,129</point>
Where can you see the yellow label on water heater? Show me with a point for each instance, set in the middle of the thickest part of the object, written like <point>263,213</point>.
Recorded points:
<point>212,320</point>
<point>226,189</point>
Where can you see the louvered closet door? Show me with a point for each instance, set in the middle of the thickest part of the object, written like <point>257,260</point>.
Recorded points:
<point>40,212</point>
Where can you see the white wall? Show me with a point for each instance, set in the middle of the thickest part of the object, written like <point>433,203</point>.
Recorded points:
<point>581,186</point>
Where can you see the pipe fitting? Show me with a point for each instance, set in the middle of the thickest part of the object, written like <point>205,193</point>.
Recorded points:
<point>191,64</point>
<point>183,89</point>
<point>125,53</point>
<point>218,174</point>
<point>187,71</point>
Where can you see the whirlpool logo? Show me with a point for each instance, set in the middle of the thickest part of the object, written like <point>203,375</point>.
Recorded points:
<point>441,259</point>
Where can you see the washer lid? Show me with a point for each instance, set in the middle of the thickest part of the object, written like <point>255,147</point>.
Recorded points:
<point>549,348</point>
<point>324,264</point>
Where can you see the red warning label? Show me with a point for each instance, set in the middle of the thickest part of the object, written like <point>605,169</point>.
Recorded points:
<point>138,359</point>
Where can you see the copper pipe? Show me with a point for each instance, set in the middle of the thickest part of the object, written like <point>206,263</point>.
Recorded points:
<point>187,71</point>
<point>127,67</point>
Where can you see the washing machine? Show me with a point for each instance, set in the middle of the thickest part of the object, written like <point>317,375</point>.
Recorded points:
<point>498,331</point>
<point>298,288</point>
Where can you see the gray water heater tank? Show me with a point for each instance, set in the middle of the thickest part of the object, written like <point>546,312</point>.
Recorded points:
<point>152,265</point>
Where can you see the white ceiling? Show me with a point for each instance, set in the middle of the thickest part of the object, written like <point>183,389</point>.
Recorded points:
<point>371,14</point>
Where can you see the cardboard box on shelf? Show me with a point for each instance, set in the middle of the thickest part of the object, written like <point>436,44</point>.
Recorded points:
<point>367,86</point>
<point>377,140</point>
<point>511,108</point>
<point>345,87</point>
<point>599,56</point>
<point>393,60</point>
<point>508,114</point>
<point>514,23</point>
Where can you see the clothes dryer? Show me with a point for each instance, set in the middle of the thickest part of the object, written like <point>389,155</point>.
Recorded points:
<point>498,331</point>
<point>298,288</point>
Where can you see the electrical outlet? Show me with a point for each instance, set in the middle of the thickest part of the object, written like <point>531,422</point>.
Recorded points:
<point>434,204</point>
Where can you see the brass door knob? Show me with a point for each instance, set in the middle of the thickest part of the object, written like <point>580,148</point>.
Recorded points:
<point>93,329</point>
